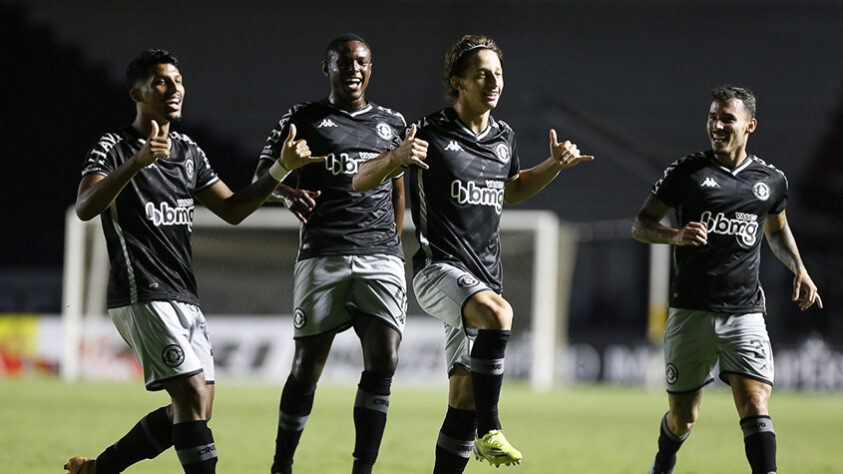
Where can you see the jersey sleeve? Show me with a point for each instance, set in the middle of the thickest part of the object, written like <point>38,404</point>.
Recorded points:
<point>780,203</point>
<point>99,159</point>
<point>400,131</point>
<point>665,188</point>
<point>515,159</point>
<point>205,175</point>
<point>272,148</point>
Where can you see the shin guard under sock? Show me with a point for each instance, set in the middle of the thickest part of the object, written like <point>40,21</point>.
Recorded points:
<point>370,408</point>
<point>487,367</point>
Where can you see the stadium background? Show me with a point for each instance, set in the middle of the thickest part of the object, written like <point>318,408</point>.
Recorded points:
<point>628,81</point>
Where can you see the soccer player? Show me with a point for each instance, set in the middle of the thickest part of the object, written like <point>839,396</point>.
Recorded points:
<point>466,166</point>
<point>725,200</point>
<point>350,266</point>
<point>142,180</point>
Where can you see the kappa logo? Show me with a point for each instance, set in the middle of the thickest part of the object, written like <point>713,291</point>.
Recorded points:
<point>384,130</point>
<point>709,182</point>
<point>453,146</point>
<point>761,190</point>
<point>173,355</point>
<point>299,319</point>
<point>326,123</point>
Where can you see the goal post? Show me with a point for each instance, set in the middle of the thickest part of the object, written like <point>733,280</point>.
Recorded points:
<point>245,273</point>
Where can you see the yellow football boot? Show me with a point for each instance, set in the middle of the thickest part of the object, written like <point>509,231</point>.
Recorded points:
<point>494,448</point>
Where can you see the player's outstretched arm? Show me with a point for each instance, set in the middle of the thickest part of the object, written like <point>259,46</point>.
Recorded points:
<point>300,202</point>
<point>97,192</point>
<point>374,172</point>
<point>648,228</point>
<point>783,244</point>
<point>234,207</point>
<point>529,182</point>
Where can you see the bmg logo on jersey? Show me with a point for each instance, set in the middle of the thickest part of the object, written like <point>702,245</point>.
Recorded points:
<point>341,163</point>
<point>470,193</point>
<point>182,214</point>
<point>744,226</point>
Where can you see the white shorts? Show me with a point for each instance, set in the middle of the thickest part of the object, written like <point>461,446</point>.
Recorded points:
<point>169,338</point>
<point>328,291</point>
<point>442,291</point>
<point>694,342</point>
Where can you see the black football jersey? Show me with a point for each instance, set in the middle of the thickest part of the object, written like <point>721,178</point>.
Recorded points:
<point>344,222</point>
<point>457,203</point>
<point>147,227</point>
<point>721,276</point>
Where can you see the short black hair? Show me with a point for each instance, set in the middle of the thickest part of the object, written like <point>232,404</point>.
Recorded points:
<point>138,69</point>
<point>727,92</point>
<point>335,43</point>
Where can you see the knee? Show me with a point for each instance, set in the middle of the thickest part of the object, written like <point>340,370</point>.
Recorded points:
<point>209,408</point>
<point>495,314</point>
<point>384,360</point>
<point>307,366</point>
<point>192,397</point>
<point>753,404</point>
<point>307,374</point>
<point>461,396</point>
<point>681,420</point>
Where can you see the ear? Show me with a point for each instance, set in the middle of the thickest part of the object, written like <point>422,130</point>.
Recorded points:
<point>324,68</point>
<point>456,82</point>
<point>751,126</point>
<point>136,95</point>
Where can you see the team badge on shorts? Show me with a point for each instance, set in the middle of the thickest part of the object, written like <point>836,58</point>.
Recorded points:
<point>299,320</point>
<point>671,373</point>
<point>173,355</point>
<point>467,281</point>
<point>761,190</point>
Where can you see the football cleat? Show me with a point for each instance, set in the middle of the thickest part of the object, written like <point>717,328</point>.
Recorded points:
<point>494,448</point>
<point>81,465</point>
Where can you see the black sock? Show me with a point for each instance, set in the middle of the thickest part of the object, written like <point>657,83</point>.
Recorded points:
<point>195,447</point>
<point>487,364</point>
<point>759,443</point>
<point>370,408</point>
<point>296,403</point>
<point>669,444</point>
<point>456,438</point>
<point>148,438</point>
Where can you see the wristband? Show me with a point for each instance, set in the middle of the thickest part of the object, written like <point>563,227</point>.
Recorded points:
<point>277,171</point>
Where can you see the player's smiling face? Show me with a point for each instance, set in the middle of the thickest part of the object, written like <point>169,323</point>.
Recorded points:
<point>161,95</point>
<point>729,125</point>
<point>348,69</point>
<point>481,86</point>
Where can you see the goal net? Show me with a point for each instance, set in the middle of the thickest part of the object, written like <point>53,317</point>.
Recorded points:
<point>245,279</point>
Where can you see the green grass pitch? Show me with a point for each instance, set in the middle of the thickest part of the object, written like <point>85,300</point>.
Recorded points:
<point>579,429</point>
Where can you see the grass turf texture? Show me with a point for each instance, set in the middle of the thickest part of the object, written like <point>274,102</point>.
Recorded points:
<point>582,429</point>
